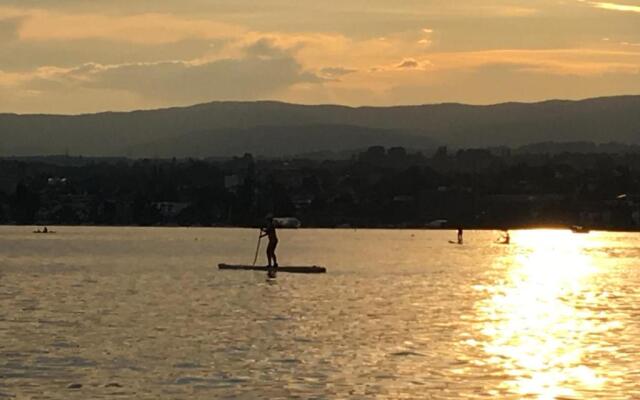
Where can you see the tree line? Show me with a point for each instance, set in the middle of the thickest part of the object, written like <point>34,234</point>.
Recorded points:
<point>378,187</point>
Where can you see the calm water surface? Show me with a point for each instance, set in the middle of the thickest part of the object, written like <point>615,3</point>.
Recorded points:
<point>144,313</point>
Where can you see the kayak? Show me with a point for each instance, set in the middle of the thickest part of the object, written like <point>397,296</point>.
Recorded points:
<point>314,269</point>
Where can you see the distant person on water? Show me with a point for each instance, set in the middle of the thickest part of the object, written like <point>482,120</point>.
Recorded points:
<point>506,239</point>
<point>270,231</point>
<point>459,235</point>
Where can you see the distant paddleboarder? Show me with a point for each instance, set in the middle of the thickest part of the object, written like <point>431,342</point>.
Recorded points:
<point>270,232</point>
<point>506,239</point>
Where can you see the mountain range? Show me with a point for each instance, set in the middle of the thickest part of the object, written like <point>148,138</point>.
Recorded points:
<point>269,128</point>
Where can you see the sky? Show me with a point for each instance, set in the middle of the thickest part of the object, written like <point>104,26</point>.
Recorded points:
<point>80,56</point>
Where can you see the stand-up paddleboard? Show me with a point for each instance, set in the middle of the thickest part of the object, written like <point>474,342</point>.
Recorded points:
<point>291,269</point>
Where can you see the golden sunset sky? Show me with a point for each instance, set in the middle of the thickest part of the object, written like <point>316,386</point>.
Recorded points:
<point>75,56</point>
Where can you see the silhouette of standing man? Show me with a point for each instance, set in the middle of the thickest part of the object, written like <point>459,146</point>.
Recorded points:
<point>270,231</point>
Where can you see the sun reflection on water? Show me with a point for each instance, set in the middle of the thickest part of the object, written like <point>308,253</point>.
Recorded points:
<point>536,326</point>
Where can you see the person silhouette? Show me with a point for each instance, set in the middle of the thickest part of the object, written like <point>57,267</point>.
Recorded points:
<point>269,230</point>
<point>506,239</point>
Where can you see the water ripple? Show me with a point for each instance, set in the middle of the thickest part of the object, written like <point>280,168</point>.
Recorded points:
<point>142,313</point>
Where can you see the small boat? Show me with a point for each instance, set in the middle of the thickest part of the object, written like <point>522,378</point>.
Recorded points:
<point>579,229</point>
<point>292,269</point>
<point>287,222</point>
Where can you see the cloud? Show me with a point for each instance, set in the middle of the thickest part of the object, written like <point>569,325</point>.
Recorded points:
<point>513,11</point>
<point>163,52</point>
<point>10,80</point>
<point>9,29</point>
<point>266,47</point>
<point>579,62</point>
<point>615,6</point>
<point>150,28</point>
<point>412,64</point>
<point>409,63</point>
<point>183,82</point>
<point>336,72</point>
<point>426,41</point>
<point>28,55</point>
<point>467,76</point>
<point>497,83</point>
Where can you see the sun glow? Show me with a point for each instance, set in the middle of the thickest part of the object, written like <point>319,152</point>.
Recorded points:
<point>536,329</point>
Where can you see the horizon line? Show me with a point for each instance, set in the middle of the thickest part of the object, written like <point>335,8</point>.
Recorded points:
<point>272,101</point>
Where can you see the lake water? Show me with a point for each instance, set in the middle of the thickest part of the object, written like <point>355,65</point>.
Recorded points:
<point>144,313</point>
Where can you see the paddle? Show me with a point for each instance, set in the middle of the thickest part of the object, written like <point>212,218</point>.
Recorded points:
<point>255,258</point>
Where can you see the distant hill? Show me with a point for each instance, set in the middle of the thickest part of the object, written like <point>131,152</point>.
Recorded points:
<point>229,128</point>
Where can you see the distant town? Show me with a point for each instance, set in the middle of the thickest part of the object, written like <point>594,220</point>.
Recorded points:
<point>498,188</point>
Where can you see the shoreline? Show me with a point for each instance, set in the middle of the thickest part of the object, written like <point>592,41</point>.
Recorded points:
<point>380,227</point>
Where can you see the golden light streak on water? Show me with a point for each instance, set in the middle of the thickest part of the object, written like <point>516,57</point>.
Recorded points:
<point>535,331</point>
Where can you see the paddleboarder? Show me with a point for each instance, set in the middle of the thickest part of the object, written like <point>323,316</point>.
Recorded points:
<point>506,239</point>
<point>270,232</point>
